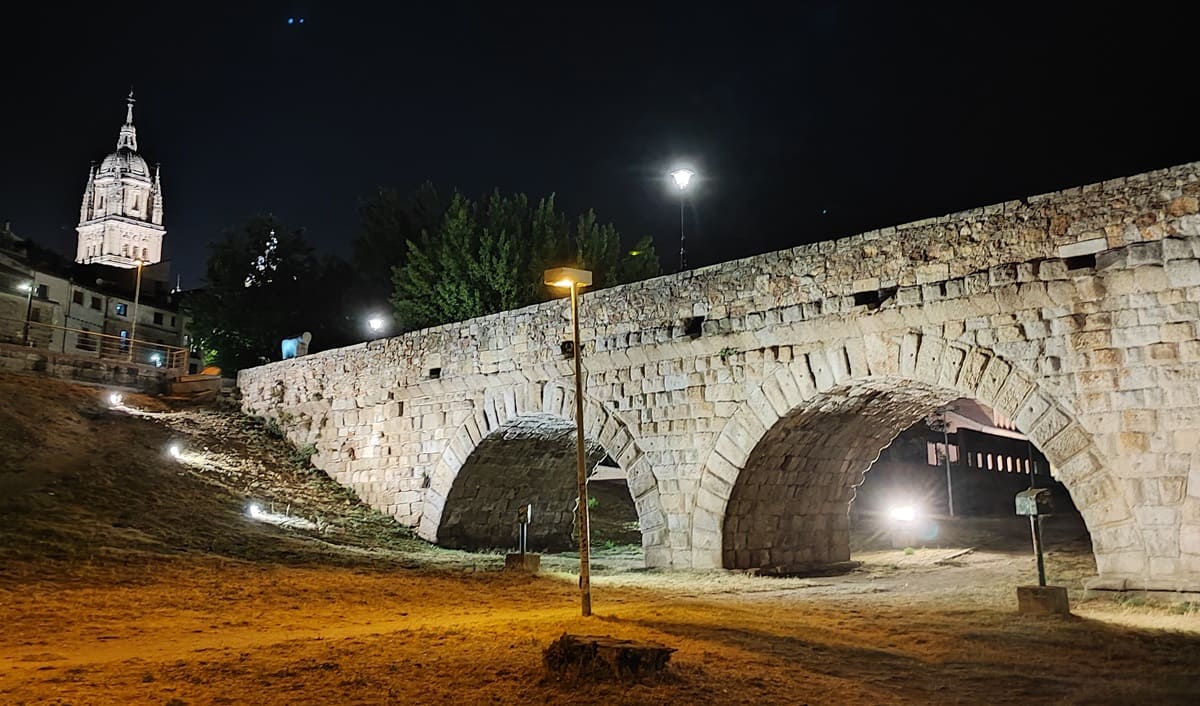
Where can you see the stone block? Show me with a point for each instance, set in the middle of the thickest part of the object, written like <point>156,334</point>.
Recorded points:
<point>1043,600</point>
<point>1084,247</point>
<point>1183,273</point>
<point>528,563</point>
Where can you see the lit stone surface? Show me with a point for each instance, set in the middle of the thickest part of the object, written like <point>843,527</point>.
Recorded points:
<point>530,460</point>
<point>743,444</point>
<point>121,215</point>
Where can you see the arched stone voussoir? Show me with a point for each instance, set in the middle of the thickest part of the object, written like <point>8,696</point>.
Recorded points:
<point>497,409</point>
<point>925,371</point>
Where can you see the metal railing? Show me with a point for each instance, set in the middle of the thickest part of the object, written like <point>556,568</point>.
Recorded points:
<point>91,344</point>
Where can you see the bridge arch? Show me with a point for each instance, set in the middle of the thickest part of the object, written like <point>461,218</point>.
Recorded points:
<point>472,495</point>
<point>776,486</point>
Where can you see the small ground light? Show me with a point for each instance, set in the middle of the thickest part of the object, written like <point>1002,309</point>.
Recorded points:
<point>115,398</point>
<point>175,450</point>
<point>254,511</point>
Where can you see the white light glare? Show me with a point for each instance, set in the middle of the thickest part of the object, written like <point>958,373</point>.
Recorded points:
<point>175,451</point>
<point>903,513</point>
<point>375,322</point>
<point>115,398</point>
<point>682,177</point>
<point>255,512</point>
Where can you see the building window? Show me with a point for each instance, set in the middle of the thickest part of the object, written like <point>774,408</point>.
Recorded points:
<point>158,318</point>
<point>35,316</point>
<point>96,303</point>
<point>77,297</point>
<point>121,312</point>
<point>43,292</point>
<point>124,340</point>
<point>145,254</point>
<point>172,322</point>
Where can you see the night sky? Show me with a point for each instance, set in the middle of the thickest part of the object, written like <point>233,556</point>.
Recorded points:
<point>808,122</point>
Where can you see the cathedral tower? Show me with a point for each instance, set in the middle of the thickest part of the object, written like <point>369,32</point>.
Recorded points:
<point>121,217</point>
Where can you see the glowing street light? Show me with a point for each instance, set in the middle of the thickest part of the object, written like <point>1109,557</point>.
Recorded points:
<point>682,177</point>
<point>573,279</point>
<point>29,288</point>
<point>376,323</point>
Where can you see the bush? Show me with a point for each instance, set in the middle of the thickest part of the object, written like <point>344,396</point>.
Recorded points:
<point>302,456</point>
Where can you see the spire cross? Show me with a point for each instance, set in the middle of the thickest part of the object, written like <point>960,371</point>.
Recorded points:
<point>129,111</point>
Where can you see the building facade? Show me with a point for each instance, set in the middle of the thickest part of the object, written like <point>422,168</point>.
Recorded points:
<point>121,216</point>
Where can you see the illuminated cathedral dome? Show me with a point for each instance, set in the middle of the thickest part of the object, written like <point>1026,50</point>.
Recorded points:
<point>121,216</point>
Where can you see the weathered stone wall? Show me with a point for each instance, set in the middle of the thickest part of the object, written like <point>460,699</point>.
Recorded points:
<point>99,371</point>
<point>530,460</point>
<point>1098,361</point>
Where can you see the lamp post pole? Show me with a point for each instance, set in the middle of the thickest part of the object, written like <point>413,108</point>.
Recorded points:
<point>682,241</point>
<point>28,309</point>
<point>585,587</point>
<point>946,452</point>
<point>568,277</point>
<point>682,178</point>
<point>137,294</point>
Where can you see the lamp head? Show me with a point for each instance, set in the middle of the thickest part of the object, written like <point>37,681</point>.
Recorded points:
<point>682,177</point>
<point>566,276</point>
<point>375,323</point>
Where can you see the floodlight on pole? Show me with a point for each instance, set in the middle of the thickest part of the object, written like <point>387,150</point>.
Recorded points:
<point>29,288</point>
<point>682,177</point>
<point>573,279</point>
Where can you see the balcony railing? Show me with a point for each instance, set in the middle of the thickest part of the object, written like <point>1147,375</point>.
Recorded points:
<point>91,344</point>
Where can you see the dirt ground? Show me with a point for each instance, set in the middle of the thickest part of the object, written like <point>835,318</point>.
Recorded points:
<point>128,576</point>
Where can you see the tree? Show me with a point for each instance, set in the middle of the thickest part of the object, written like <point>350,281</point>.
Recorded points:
<point>263,283</point>
<point>639,263</point>
<point>490,256</point>
<point>388,221</point>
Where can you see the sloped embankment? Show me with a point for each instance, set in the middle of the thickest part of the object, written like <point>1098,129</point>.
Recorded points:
<point>82,482</point>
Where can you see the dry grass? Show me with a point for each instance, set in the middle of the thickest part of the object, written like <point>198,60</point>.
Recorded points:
<point>130,577</point>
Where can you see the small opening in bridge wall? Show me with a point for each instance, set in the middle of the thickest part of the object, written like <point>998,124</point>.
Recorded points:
<point>435,373</point>
<point>873,299</point>
<point>567,348</point>
<point>1081,262</point>
<point>694,326</point>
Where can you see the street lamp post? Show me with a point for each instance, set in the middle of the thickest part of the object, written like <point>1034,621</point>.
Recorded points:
<point>945,424</point>
<point>137,293</point>
<point>567,277</point>
<point>682,178</point>
<point>28,309</point>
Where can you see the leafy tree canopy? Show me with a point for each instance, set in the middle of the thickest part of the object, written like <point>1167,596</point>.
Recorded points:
<point>263,283</point>
<point>489,255</point>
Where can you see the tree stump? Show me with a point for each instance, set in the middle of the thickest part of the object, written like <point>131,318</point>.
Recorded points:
<point>599,658</point>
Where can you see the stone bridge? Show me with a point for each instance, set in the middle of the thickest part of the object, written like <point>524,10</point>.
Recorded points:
<point>746,400</point>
